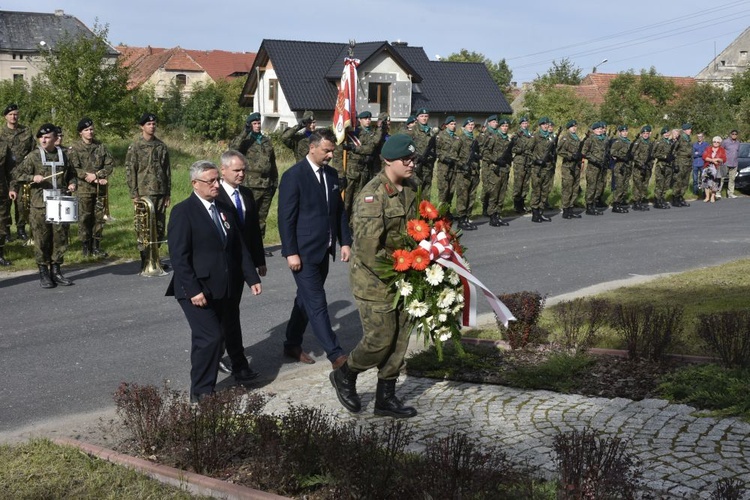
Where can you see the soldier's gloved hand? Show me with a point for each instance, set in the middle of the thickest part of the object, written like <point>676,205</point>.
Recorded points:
<point>343,183</point>
<point>450,162</point>
<point>538,163</point>
<point>348,146</point>
<point>248,127</point>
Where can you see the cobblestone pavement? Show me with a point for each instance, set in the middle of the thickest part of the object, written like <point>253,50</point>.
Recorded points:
<point>682,455</point>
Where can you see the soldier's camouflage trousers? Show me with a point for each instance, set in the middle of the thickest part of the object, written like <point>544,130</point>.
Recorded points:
<point>622,174</point>
<point>263,198</point>
<point>91,211</point>
<point>385,339</point>
<point>641,178</point>
<point>424,174</point>
<point>466,192</point>
<point>681,180</point>
<point>494,187</point>
<point>663,180</point>
<point>596,178</point>
<point>357,176</point>
<point>521,178</point>
<point>50,240</point>
<point>542,178</point>
<point>446,183</point>
<point>571,181</point>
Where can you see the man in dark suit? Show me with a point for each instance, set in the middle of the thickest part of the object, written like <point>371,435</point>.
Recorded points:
<point>311,221</point>
<point>210,262</point>
<point>237,199</point>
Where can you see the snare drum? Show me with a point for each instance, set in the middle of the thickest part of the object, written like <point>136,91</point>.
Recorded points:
<point>61,209</point>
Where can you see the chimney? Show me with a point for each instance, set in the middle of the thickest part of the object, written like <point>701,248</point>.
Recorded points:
<point>59,12</point>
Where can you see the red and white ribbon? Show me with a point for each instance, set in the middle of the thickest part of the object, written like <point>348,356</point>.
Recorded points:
<point>442,252</point>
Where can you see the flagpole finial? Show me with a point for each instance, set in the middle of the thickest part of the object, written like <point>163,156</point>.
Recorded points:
<point>352,43</point>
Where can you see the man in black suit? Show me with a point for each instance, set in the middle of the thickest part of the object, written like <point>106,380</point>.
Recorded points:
<point>311,221</point>
<point>210,262</point>
<point>237,199</point>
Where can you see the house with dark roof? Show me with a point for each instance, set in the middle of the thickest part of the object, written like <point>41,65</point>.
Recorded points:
<point>289,77</point>
<point>731,61</point>
<point>24,36</point>
<point>162,67</point>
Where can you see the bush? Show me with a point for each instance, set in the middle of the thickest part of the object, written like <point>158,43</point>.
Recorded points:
<point>580,321</point>
<point>728,335</point>
<point>561,373</point>
<point>526,307</point>
<point>728,489</point>
<point>591,466</point>
<point>647,331</point>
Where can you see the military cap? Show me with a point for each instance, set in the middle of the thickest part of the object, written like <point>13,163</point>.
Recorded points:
<point>58,130</point>
<point>308,114</point>
<point>364,114</point>
<point>687,126</point>
<point>503,121</point>
<point>492,117</point>
<point>422,111</point>
<point>571,123</point>
<point>384,116</point>
<point>398,146</point>
<point>646,128</point>
<point>253,117</point>
<point>524,119</point>
<point>664,130</point>
<point>45,129</point>
<point>543,120</point>
<point>85,123</point>
<point>468,120</point>
<point>147,117</point>
<point>449,119</point>
<point>9,108</point>
<point>620,128</point>
<point>596,125</point>
<point>411,119</point>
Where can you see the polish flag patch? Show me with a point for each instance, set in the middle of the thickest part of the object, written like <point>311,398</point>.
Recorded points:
<point>369,199</point>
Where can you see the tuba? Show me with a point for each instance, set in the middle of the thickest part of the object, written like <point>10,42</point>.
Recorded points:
<point>144,221</point>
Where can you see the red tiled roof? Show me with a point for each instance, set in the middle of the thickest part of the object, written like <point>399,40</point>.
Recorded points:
<point>219,64</point>
<point>594,86</point>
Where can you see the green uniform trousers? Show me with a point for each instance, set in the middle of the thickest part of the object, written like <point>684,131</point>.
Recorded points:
<point>466,192</point>
<point>622,174</point>
<point>50,240</point>
<point>263,198</point>
<point>641,178</point>
<point>495,185</point>
<point>91,211</point>
<point>446,183</point>
<point>542,178</point>
<point>385,340</point>
<point>596,177</point>
<point>521,178</point>
<point>663,180</point>
<point>571,181</point>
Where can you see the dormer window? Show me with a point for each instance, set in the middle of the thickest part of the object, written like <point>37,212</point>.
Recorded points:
<point>180,80</point>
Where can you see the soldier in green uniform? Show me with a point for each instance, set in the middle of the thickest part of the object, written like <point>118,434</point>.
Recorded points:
<point>148,171</point>
<point>361,158</point>
<point>421,133</point>
<point>381,211</point>
<point>297,138</point>
<point>663,166</point>
<point>569,150</point>
<point>94,165</point>
<point>6,166</point>
<point>497,151</point>
<point>47,167</point>
<point>20,140</point>
<point>262,176</point>
<point>620,152</point>
<point>595,152</point>
<point>448,146</point>
<point>643,163</point>
<point>467,176</point>
<point>521,166</point>
<point>542,153</point>
<point>682,166</point>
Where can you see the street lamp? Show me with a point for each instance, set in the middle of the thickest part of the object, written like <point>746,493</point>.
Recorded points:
<point>603,61</point>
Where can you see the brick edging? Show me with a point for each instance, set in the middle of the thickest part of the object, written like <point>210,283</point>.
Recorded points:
<point>190,481</point>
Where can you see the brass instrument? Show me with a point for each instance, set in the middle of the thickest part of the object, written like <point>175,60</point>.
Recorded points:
<point>144,221</point>
<point>102,200</point>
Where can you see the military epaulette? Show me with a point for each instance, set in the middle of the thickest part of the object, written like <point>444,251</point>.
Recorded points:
<point>389,190</point>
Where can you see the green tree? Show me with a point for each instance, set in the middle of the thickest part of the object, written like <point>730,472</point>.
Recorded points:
<point>172,105</point>
<point>19,92</point>
<point>500,71</point>
<point>706,107</point>
<point>81,79</point>
<point>207,113</point>
<point>560,104</point>
<point>564,72</point>
<point>635,100</point>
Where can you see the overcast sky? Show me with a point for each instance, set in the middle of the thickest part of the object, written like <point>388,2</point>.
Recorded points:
<point>678,38</point>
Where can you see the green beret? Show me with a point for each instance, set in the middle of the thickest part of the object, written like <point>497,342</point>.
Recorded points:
<point>147,117</point>
<point>492,117</point>
<point>687,126</point>
<point>9,108</point>
<point>364,114</point>
<point>45,129</point>
<point>449,119</point>
<point>571,123</point>
<point>384,116</point>
<point>620,128</point>
<point>308,114</point>
<point>503,121</point>
<point>468,120</point>
<point>664,130</point>
<point>422,111</point>
<point>253,117</point>
<point>523,119</point>
<point>543,120</point>
<point>596,125</point>
<point>398,146</point>
<point>84,124</point>
<point>411,119</point>
<point>646,128</point>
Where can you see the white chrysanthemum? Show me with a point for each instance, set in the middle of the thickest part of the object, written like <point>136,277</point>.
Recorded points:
<point>446,298</point>
<point>416,308</point>
<point>434,274</point>
<point>404,288</point>
<point>443,333</point>
<point>460,298</point>
<point>453,278</point>
<point>442,317</point>
<point>457,308</point>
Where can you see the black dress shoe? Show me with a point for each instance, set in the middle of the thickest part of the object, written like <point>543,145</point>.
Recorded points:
<point>225,365</point>
<point>244,376</point>
<point>197,398</point>
<point>268,253</point>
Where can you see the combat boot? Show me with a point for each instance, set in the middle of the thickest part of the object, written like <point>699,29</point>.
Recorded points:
<point>682,202</point>
<point>344,381</point>
<point>387,404</point>
<point>518,205</point>
<point>543,217</point>
<point>465,224</point>
<point>86,248</point>
<point>566,213</point>
<point>590,210</point>
<point>45,281</point>
<point>644,205</point>
<point>573,214</point>
<point>619,209</point>
<point>3,260</point>
<point>97,251</point>
<point>535,215</point>
<point>58,277</point>
<point>22,233</point>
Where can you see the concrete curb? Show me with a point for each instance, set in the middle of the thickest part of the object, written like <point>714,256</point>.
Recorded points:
<point>188,481</point>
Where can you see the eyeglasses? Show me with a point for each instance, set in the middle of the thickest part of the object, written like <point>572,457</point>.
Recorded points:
<point>407,160</point>
<point>717,142</point>
<point>209,182</point>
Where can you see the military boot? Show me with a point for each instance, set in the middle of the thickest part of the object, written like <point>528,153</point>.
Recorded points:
<point>97,250</point>
<point>344,380</point>
<point>58,277</point>
<point>543,217</point>
<point>86,248</point>
<point>683,203</point>
<point>619,209</point>
<point>535,215</point>
<point>387,404</point>
<point>465,224</point>
<point>644,205</point>
<point>566,213</point>
<point>591,210</point>
<point>45,281</point>
<point>518,205</point>
<point>3,260</point>
<point>22,233</point>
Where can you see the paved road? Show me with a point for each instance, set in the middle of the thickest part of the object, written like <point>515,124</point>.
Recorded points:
<point>64,351</point>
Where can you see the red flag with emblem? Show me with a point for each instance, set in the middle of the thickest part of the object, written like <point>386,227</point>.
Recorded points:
<point>346,103</point>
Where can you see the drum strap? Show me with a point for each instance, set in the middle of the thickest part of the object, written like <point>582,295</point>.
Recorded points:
<point>53,164</point>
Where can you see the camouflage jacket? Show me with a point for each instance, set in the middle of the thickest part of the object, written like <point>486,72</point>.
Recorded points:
<point>494,146</point>
<point>261,161</point>
<point>449,147</point>
<point>147,168</point>
<point>32,165</point>
<point>6,168</point>
<point>595,149</point>
<point>662,149</point>
<point>522,147</point>
<point>542,149</point>
<point>296,139</point>
<point>379,222</point>
<point>683,151</point>
<point>567,149</point>
<point>420,137</point>
<point>642,153</point>
<point>20,140</point>
<point>92,158</point>
<point>619,150</point>
<point>364,155</point>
